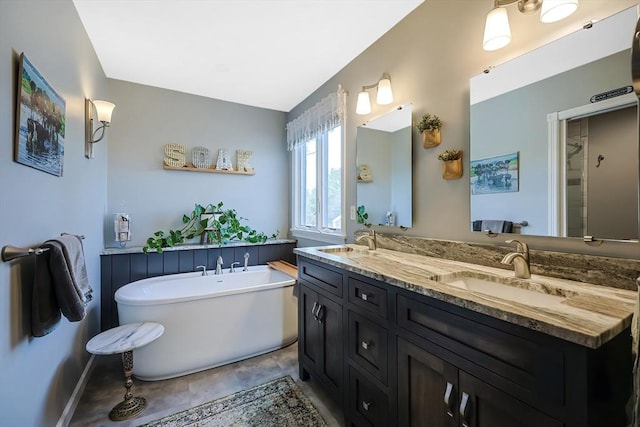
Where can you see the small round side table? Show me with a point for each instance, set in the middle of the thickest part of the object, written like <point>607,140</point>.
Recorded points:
<point>124,339</point>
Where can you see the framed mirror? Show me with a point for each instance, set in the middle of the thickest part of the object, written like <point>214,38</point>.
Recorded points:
<point>554,138</point>
<point>383,147</point>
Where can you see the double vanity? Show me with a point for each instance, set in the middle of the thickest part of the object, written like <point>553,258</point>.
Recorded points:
<point>404,339</point>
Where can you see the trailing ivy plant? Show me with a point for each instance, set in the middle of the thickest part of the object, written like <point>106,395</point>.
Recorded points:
<point>220,226</point>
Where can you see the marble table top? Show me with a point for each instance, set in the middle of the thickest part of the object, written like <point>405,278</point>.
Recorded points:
<point>589,315</point>
<point>125,338</point>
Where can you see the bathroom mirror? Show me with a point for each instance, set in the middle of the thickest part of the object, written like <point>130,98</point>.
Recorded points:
<point>384,168</point>
<point>554,138</point>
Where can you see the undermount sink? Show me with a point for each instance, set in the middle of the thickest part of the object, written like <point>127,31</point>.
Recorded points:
<point>345,251</point>
<point>521,291</point>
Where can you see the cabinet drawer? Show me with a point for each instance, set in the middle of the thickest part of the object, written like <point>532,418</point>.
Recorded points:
<point>323,277</point>
<point>368,405</point>
<point>528,369</point>
<point>368,346</point>
<point>368,296</point>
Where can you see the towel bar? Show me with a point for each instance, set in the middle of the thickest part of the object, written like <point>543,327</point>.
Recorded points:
<point>12,252</point>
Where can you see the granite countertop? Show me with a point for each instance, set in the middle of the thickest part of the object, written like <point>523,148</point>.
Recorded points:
<point>190,246</point>
<point>588,315</point>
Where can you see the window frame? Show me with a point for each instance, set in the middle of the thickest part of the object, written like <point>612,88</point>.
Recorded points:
<point>317,232</point>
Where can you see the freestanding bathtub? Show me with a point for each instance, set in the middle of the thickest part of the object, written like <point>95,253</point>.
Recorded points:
<point>209,320</point>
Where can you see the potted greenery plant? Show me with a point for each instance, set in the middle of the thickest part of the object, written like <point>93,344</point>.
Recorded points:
<point>430,126</point>
<point>212,222</point>
<point>451,164</point>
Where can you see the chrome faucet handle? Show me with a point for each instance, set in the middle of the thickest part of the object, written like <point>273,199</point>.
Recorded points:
<point>246,261</point>
<point>232,269</point>
<point>204,269</point>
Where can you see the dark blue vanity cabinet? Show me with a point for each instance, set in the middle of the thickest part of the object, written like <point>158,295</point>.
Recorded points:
<point>118,269</point>
<point>411,360</point>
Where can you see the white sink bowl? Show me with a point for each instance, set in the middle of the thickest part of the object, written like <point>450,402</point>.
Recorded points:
<point>510,290</point>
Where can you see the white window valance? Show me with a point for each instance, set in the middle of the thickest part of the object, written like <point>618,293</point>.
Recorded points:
<point>322,117</point>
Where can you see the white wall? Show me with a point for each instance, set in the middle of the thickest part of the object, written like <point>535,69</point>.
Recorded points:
<point>38,375</point>
<point>147,118</point>
<point>430,56</point>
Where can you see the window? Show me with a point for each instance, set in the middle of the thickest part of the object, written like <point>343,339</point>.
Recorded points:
<point>318,187</point>
<point>315,139</point>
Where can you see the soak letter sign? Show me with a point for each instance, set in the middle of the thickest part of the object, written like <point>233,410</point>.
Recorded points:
<point>174,155</point>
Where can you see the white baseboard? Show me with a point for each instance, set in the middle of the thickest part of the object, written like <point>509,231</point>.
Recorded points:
<point>72,403</point>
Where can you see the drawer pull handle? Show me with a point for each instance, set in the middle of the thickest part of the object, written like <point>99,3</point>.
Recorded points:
<point>365,405</point>
<point>366,344</point>
<point>364,296</point>
<point>448,401</point>
<point>320,313</point>
<point>464,409</point>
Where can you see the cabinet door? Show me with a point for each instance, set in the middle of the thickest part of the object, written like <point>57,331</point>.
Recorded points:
<point>482,405</point>
<point>329,316</point>
<point>310,345</point>
<point>427,388</point>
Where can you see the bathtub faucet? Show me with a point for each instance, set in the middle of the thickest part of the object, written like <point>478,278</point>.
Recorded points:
<point>246,261</point>
<point>219,265</point>
<point>204,269</point>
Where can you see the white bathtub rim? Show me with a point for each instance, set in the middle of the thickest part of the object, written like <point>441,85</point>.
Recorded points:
<point>146,300</point>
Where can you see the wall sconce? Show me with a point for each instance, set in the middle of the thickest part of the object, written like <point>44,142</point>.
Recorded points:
<point>383,97</point>
<point>497,33</point>
<point>103,110</point>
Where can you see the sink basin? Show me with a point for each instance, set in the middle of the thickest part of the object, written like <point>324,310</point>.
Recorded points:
<point>521,291</point>
<point>346,251</point>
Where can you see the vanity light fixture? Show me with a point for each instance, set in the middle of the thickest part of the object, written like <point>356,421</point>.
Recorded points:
<point>103,110</point>
<point>384,95</point>
<point>497,33</point>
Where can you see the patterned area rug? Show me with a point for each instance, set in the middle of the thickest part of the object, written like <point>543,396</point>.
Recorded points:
<point>277,403</point>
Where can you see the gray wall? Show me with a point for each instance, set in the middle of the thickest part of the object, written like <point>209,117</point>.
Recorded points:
<point>38,375</point>
<point>431,55</point>
<point>147,118</point>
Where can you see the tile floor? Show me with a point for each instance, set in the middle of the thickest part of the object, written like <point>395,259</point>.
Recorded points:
<point>105,388</point>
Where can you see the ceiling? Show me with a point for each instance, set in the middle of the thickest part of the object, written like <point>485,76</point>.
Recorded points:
<point>264,53</point>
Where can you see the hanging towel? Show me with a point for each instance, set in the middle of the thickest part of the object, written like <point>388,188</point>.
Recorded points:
<point>69,275</point>
<point>493,225</point>
<point>45,312</point>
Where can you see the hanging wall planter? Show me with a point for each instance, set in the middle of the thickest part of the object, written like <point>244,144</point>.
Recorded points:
<point>430,126</point>
<point>451,164</point>
<point>431,138</point>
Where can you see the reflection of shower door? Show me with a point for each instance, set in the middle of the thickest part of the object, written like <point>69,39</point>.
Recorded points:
<point>584,198</point>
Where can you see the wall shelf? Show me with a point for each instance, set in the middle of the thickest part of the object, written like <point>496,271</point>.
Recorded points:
<point>190,168</point>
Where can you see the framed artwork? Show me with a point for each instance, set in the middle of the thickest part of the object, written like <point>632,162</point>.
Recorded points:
<point>40,122</point>
<point>495,174</point>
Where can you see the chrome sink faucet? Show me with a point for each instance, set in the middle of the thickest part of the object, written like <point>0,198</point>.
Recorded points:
<point>519,259</point>
<point>232,269</point>
<point>204,269</point>
<point>219,265</point>
<point>371,240</point>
